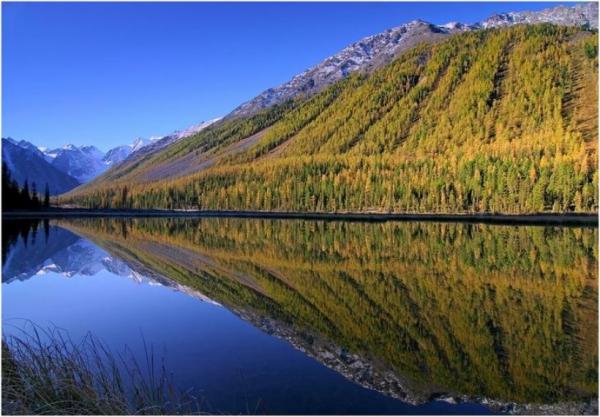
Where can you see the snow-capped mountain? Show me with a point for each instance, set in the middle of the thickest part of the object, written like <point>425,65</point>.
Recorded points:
<point>377,50</point>
<point>92,151</point>
<point>26,163</point>
<point>120,153</point>
<point>87,162</point>
<point>27,146</point>
<point>66,167</point>
<point>116,155</point>
<point>82,163</point>
<point>142,145</point>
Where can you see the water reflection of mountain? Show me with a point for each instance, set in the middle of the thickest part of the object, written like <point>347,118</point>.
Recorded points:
<point>416,311</point>
<point>38,251</point>
<point>33,250</point>
<point>39,248</point>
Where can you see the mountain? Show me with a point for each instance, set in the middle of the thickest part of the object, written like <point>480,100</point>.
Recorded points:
<point>142,153</point>
<point>365,55</point>
<point>87,162</point>
<point>82,163</point>
<point>192,130</point>
<point>374,51</point>
<point>26,162</point>
<point>488,120</point>
<point>27,146</point>
<point>117,154</point>
<point>143,148</point>
<point>580,14</point>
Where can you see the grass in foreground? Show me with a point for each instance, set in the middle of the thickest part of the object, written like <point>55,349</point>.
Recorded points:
<point>45,372</point>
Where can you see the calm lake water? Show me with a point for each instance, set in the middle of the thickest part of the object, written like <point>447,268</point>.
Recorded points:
<point>291,316</point>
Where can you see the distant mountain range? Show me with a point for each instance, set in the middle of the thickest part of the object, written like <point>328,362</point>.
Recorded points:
<point>69,166</point>
<point>87,162</point>
<point>27,163</point>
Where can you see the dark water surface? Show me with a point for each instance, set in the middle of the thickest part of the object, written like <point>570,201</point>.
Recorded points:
<point>306,317</point>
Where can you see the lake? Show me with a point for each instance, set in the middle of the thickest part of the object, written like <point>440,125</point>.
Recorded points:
<point>324,317</point>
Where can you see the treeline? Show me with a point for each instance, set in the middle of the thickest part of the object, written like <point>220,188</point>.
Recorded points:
<point>15,197</point>
<point>476,184</point>
<point>501,120</point>
<point>511,314</point>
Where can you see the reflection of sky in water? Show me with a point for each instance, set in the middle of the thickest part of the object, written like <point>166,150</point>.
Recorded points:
<point>81,288</point>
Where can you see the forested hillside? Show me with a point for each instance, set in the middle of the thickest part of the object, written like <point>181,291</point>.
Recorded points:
<point>500,120</point>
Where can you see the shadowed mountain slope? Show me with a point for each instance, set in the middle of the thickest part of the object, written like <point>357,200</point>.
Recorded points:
<point>28,164</point>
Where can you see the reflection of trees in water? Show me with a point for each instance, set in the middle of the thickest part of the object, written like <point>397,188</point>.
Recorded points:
<point>26,229</point>
<point>505,312</point>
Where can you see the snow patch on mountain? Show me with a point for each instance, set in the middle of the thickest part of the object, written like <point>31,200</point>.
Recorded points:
<point>192,130</point>
<point>82,163</point>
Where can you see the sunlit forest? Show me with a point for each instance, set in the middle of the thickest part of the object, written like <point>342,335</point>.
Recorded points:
<point>504,312</point>
<point>500,120</point>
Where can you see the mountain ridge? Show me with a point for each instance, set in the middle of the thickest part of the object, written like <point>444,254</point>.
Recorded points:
<point>379,49</point>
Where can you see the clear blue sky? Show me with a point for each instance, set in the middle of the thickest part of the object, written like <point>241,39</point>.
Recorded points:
<point>105,73</point>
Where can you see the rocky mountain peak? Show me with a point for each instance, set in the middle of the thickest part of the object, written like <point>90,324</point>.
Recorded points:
<point>581,14</point>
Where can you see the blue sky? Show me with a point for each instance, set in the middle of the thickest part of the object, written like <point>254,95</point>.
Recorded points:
<point>106,73</point>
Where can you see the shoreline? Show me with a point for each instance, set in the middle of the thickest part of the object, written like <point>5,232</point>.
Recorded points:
<point>590,220</point>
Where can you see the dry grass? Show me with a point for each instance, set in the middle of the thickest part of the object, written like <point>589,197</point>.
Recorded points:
<point>45,372</point>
